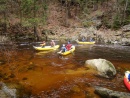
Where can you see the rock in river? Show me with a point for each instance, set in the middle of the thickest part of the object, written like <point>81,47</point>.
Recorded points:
<point>104,67</point>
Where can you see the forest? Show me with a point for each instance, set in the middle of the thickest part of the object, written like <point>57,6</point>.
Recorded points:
<point>21,17</point>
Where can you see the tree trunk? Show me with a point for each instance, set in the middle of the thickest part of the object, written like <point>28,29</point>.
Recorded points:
<point>35,33</point>
<point>124,14</point>
<point>5,17</point>
<point>21,13</point>
<point>5,22</point>
<point>35,25</point>
<point>66,9</point>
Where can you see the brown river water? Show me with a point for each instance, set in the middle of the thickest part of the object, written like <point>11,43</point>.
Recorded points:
<point>45,74</point>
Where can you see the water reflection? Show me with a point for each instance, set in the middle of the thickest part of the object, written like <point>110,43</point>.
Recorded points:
<point>48,74</point>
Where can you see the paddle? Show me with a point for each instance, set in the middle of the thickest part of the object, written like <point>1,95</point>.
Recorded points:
<point>72,52</point>
<point>77,40</point>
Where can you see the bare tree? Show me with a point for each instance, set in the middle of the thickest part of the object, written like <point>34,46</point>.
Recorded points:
<point>124,12</point>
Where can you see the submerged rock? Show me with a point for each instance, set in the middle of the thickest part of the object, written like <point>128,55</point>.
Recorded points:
<point>11,93</point>
<point>104,67</point>
<point>106,93</point>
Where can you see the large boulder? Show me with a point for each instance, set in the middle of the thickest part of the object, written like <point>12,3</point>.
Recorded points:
<point>104,67</point>
<point>126,41</point>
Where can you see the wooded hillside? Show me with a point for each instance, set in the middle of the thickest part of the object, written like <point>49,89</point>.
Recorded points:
<point>24,16</point>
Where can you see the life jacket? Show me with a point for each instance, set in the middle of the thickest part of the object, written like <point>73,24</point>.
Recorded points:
<point>68,46</point>
<point>129,77</point>
<point>63,49</point>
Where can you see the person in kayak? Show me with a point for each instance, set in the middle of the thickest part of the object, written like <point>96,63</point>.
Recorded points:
<point>52,43</point>
<point>127,74</point>
<point>43,44</point>
<point>83,39</point>
<point>129,77</point>
<point>91,40</point>
<point>63,48</point>
<point>68,46</point>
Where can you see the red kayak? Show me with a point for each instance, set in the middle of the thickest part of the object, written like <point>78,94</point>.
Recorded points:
<point>126,80</point>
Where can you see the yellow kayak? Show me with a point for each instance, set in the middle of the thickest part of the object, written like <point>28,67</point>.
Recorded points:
<point>46,47</point>
<point>67,52</point>
<point>80,42</point>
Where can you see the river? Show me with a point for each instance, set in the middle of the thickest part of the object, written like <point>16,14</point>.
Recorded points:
<point>45,74</point>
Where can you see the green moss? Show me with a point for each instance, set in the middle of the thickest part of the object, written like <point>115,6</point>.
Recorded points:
<point>87,23</point>
<point>111,65</point>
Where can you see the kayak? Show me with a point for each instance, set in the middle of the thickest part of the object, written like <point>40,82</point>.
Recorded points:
<point>67,52</point>
<point>126,80</point>
<point>80,42</point>
<point>46,47</point>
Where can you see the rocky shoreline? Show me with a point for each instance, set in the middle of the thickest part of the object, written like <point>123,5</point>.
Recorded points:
<point>102,36</point>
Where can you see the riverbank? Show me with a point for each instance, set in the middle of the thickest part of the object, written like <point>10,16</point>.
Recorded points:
<point>105,36</point>
<point>60,27</point>
<point>102,36</point>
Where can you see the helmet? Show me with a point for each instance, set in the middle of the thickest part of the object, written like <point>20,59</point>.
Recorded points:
<point>127,73</point>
